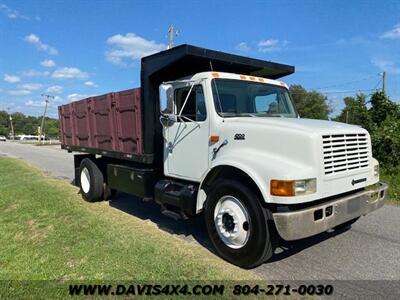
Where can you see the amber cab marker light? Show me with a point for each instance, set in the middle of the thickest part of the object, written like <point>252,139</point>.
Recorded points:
<point>215,74</point>
<point>214,138</point>
<point>283,188</point>
<point>243,77</point>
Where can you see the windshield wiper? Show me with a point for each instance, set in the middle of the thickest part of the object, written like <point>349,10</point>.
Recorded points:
<point>274,115</point>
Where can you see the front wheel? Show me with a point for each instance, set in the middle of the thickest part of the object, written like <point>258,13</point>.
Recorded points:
<point>237,224</point>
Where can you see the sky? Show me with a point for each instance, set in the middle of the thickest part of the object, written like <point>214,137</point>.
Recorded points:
<point>74,49</point>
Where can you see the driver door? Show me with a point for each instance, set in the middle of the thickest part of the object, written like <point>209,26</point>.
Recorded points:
<point>186,139</point>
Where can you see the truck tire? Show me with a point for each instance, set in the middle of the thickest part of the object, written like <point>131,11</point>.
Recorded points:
<point>346,225</point>
<point>238,225</point>
<point>91,181</point>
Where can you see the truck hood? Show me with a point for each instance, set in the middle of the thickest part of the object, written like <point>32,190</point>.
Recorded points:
<point>289,148</point>
<point>304,125</point>
<point>298,142</point>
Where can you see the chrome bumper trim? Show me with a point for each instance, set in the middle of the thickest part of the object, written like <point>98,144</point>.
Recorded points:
<point>301,223</point>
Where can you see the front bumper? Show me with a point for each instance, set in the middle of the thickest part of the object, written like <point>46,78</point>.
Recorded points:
<point>294,225</point>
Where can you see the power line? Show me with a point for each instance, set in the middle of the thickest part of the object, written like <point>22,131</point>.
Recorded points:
<point>344,92</point>
<point>340,92</point>
<point>346,83</point>
<point>378,84</point>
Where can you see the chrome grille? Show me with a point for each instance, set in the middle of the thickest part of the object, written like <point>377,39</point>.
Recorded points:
<point>345,152</point>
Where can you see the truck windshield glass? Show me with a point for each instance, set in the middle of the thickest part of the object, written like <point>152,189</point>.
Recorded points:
<point>240,98</point>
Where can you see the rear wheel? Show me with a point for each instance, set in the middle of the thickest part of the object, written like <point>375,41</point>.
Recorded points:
<point>91,181</point>
<point>237,224</point>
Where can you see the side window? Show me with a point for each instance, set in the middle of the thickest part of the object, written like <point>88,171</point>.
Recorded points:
<point>195,107</point>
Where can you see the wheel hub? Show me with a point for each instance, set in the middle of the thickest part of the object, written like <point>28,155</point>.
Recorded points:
<point>85,180</point>
<point>228,222</point>
<point>232,222</point>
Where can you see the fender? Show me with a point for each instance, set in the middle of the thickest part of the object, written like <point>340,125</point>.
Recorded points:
<point>259,166</point>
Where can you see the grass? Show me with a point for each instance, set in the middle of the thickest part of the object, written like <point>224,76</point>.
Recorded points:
<point>391,176</point>
<point>48,232</point>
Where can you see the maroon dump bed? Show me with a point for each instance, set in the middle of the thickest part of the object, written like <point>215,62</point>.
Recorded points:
<point>110,124</point>
<point>126,124</point>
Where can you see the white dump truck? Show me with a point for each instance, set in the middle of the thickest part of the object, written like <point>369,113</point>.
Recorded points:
<point>215,133</point>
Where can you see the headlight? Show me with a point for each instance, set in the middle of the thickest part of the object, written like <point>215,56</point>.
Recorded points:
<point>376,170</point>
<point>287,188</point>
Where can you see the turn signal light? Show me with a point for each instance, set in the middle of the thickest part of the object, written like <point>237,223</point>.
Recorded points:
<point>282,188</point>
<point>214,138</point>
<point>288,188</point>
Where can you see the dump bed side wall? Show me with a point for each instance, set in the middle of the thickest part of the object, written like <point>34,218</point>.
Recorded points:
<point>106,124</point>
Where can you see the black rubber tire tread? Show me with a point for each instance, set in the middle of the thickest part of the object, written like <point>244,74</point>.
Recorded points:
<point>96,191</point>
<point>346,225</point>
<point>260,246</point>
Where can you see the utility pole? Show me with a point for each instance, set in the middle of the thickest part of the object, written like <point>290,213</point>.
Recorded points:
<point>172,33</point>
<point>47,97</point>
<point>11,124</point>
<point>384,82</point>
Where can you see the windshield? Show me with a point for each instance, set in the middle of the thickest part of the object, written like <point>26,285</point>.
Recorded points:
<point>240,98</point>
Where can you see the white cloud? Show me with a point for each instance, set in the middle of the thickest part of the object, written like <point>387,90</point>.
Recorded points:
<point>392,34</point>
<point>385,65</point>
<point>35,40</point>
<point>30,86</point>
<point>271,45</point>
<point>11,78</point>
<point>243,47</point>
<point>76,97</point>
<point>90,83</point>
<point>56,89</point>
<point>19,92</point>
<point>12,13</point>
<point>69,73</point>
<point>35,73</point>
<point>32,103</point>
<point>48,63</point>
<point>58,99</point>
<point>130,47</point>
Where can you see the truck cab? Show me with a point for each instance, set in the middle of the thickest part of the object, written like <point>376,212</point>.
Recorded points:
<point>218,134</point>
<point>310,174</point>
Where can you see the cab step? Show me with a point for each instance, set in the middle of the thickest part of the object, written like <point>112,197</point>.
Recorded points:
<point>177,199</point>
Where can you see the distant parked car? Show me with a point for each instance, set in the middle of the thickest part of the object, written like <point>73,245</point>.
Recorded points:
<point>2,138</point>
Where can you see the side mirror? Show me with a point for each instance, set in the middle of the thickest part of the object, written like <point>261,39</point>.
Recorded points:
<point>167,120</point>
<point>166,99</point>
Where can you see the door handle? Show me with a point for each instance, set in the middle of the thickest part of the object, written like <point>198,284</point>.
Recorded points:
<point>216,150</point>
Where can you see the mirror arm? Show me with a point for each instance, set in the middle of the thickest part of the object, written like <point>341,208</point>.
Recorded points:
<point>187,97</point>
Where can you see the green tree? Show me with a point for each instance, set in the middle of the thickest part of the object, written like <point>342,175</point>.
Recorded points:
<point>356,112</point>
<point>386,142</point>
<point>4,123</point>
<point>382,121</point>
<point>27,124</point>
<point>52,127</point>
<point>382,107</point>
<point>310,104</point>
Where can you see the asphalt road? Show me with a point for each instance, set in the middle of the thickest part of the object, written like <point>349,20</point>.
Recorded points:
<point>368,252</point>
